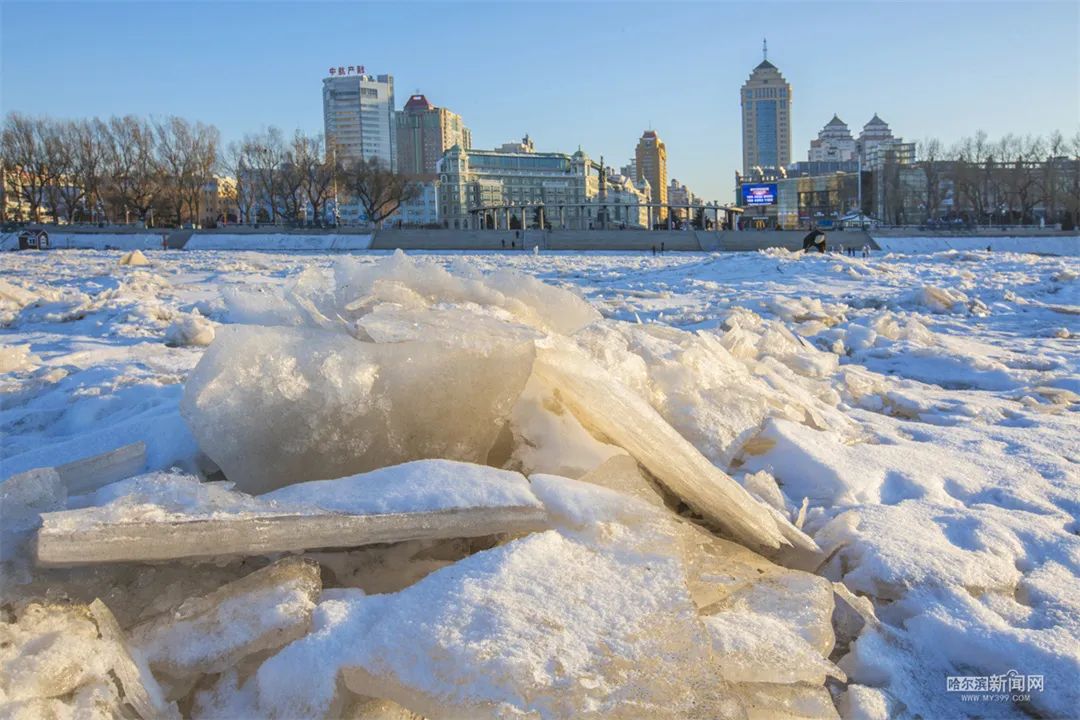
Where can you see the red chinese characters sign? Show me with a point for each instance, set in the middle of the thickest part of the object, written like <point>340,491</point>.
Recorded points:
<point>347,70</point>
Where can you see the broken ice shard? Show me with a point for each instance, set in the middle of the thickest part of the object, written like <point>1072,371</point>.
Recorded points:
<point>164,516</point>
<point>608,408</point>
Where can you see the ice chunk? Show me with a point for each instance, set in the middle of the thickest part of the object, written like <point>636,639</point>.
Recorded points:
<point>14,295</point>
<point>763,485</point>
<point>275,406</point>
<point>73,661</point>
<point>134,257</point>
<point>580,504</point>
<point>938,300</point>
<point>549,439</point>
<point>23,498</point>
<point>608,408</point>
<point>17,357</point>
<point>724,577</point>
<point>859,702</point>
<point>765,701</point>
<point>544,626</point>
<point>163,516</point>
<point>89,474</point>
<point>475,326</point>
<point>190,329</point>
<point>622,474</point>
<point>402,279</point>
<point>141,690</point>
<point>755,647</point>
<point>262,611</point>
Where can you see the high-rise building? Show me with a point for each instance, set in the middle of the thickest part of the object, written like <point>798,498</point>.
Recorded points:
<point>833,144</point>
<point>358,114</point>
<point>873,134</point>
<point>650,161</point>
<point>424,133</point>
<point>766,118</point>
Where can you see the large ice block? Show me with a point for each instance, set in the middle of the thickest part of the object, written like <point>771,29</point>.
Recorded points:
<point>608,408</point>
<point>164,516</point>
<point>274,406</point>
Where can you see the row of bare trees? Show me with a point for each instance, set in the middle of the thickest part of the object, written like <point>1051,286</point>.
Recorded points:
<point>119,169</point>
<point>1013,179</point>
<point>132,169</point>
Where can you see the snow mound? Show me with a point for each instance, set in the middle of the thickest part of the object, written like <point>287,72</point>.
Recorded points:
<point>134,257</point>
<point>190,330</point>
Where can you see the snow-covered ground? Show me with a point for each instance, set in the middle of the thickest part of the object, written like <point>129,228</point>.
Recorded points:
<point>916,415</point>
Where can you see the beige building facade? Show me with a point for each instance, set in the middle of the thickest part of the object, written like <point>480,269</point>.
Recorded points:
<point>424,133</point>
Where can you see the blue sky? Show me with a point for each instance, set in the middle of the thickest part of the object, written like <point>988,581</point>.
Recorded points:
<point>569,74</point>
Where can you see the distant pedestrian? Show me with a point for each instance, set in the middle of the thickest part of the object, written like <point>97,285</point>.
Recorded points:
<point>513,245</point>
<point>843,250</point>
<point>654,250</point>
<point>503,241</point>
<point>866,251</point>
<point>661,248</point>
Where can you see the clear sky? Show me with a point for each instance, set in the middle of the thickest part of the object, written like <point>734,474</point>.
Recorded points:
<point>569,74</point>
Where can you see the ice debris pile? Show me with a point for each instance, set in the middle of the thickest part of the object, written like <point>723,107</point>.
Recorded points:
<point>442,494</point>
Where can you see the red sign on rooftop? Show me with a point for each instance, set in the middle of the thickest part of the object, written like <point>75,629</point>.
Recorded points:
<point>347,70</point>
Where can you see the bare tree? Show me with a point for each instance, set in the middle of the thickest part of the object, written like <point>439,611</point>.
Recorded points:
<point>88,141</point>
<point>1053,190</point>
<point>380,190</point>
<point>974,166</point>
<point>188,154</point>
<point>62,195</point>
<point>930,158</point>
<point>235,162</point>
<point>265,157</point>
<point>135,179</point>
<point>317,171</point>
<point>24,162</point>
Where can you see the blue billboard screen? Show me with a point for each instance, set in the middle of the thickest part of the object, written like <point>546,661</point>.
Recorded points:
<point>764,194</point>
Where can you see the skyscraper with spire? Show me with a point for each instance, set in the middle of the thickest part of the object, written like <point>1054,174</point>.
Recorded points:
<point>766,117</point>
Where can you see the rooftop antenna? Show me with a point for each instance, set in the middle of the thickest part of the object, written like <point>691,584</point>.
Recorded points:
<point>764,49</point>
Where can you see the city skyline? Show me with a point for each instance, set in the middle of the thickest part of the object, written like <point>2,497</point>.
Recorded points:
<point>938,80</point>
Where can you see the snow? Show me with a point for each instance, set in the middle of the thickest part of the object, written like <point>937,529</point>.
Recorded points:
<point>586,631</point>
<point>277,241</point>
<point>1044,245</point>
<point>420,486</point>
<point>915,413</point>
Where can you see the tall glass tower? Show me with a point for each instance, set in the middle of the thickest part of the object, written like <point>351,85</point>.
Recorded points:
<point>766,118</point>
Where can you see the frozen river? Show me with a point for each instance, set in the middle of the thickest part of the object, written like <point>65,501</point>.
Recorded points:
<point>917,416</point>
